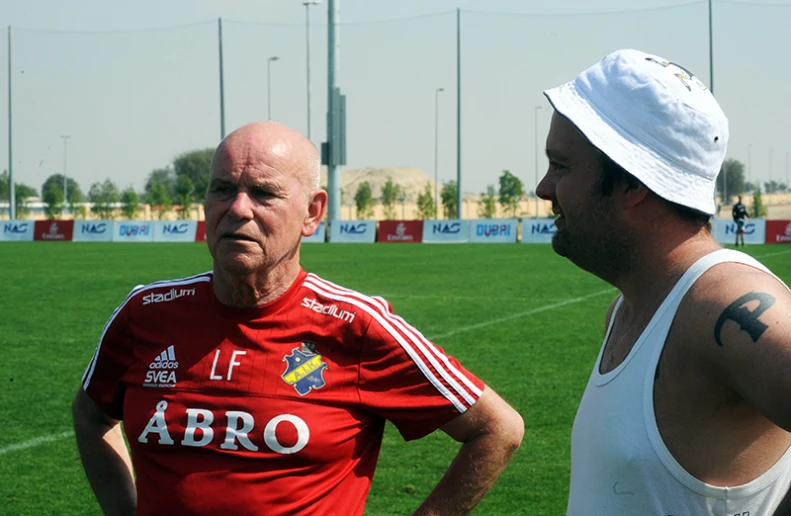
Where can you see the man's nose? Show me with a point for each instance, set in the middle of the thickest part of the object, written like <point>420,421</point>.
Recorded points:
<point>242,207</point>
<point>545,188</point>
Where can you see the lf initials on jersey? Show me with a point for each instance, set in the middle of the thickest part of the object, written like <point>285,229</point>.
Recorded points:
<point>238,425</point>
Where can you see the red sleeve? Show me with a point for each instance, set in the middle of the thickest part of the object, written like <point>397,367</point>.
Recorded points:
<point>103,378</point>
<point>407,379</point>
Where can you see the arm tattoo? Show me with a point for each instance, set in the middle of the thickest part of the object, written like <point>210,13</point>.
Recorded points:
<point>747,320</point>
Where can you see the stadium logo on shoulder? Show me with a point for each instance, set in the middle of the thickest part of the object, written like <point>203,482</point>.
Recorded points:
<point>161,371</point>
<point>332,310</point>
<point>171,295</point>
<point>304,369</point>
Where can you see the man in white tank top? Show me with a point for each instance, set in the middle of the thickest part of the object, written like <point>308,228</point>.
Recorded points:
<point>688,408</point>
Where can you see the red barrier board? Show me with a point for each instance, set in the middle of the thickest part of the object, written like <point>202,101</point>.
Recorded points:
<point>778,231</point>
<point>400,232</point>
<point>54,230</point>
<point>200,233</point>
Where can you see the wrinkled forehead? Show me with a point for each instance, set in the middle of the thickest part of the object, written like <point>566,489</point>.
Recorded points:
<point>248,160</point>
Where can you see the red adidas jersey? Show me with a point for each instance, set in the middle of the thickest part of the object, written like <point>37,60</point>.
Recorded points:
<point>276,410</point>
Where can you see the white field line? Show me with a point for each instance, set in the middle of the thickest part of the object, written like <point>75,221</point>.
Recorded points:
<point>555,305</point>
<point>523,314</point>
<point>772,254</point>
<point>35,442</point>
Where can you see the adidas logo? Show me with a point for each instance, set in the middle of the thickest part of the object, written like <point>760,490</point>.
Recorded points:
<point>158,374</point>
<point>165,360</point>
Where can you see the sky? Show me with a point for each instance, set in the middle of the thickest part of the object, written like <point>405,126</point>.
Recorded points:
<point>135,84</point>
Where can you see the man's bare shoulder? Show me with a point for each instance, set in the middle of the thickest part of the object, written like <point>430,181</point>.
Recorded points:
<point>733,303</point>
<point>735,322</point>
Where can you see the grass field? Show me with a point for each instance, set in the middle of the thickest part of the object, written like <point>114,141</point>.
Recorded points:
<point>525,321</point>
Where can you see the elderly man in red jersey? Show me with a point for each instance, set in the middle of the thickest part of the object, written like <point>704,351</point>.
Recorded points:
<point>258,388</point>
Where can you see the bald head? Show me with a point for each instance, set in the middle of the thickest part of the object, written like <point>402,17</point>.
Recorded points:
<point>276,144</point>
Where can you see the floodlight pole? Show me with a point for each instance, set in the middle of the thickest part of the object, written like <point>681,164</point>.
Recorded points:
<point>458,115</point>
<point>11,188</point>
<point>749,163</point>
<point>65,187</point>
<point>436,151</point>
<point>307,5</point>
<point>333,138</point>
<point>535,137</point>
<point>222,94</point>
<point>711,49</point>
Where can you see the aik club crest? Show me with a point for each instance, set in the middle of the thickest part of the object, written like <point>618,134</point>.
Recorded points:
<point>304,369</point>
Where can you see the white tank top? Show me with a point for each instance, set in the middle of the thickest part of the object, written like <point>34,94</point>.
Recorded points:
<point>619,463</point>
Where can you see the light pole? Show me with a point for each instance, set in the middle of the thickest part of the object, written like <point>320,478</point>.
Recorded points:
<point>535,136</point>
<point>307,50</point>
<point>770,164</point>
<point>749,164</point>
<point>269,86</point>
<point>436,153</point>
<point>65,187</point>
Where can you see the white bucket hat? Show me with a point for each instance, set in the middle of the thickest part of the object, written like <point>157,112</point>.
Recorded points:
<point>655,119</point>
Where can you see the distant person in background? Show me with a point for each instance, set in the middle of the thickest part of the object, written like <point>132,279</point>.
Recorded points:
<point>258,388</point>
<point>739,213</point>
<point>687,408</point>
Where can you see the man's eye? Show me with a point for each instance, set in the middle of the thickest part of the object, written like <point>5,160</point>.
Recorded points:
<point>263,194</point>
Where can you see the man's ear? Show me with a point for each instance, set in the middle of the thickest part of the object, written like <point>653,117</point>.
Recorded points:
<point>634,192</point>
<point>317,204</point>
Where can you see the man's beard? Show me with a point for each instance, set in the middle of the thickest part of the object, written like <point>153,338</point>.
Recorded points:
<point>592,246</point>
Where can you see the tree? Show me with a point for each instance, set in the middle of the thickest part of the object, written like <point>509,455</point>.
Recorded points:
<point>130,203</point>
<point>4,186</point>
<point>733,169</point>
<point>160,200</point>
<point>511,192</point>
<point>364,201</point>
<point>184,190</point>
<point>487,208</point>
<point>771,187</point>
<point>21,193</point>
<point>426,209</point>
<point>103,196</point>
<point>196,166</point>
<point>53,198</point>
<point>403,200</point>
<point>449,201</point>
<point>390,194</point>
<point>758,209</point>
<point>164,176</point>
<point>76,207</point>
<point>57,180</point>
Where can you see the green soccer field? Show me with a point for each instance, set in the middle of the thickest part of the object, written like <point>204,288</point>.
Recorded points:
<point>524,320</point>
